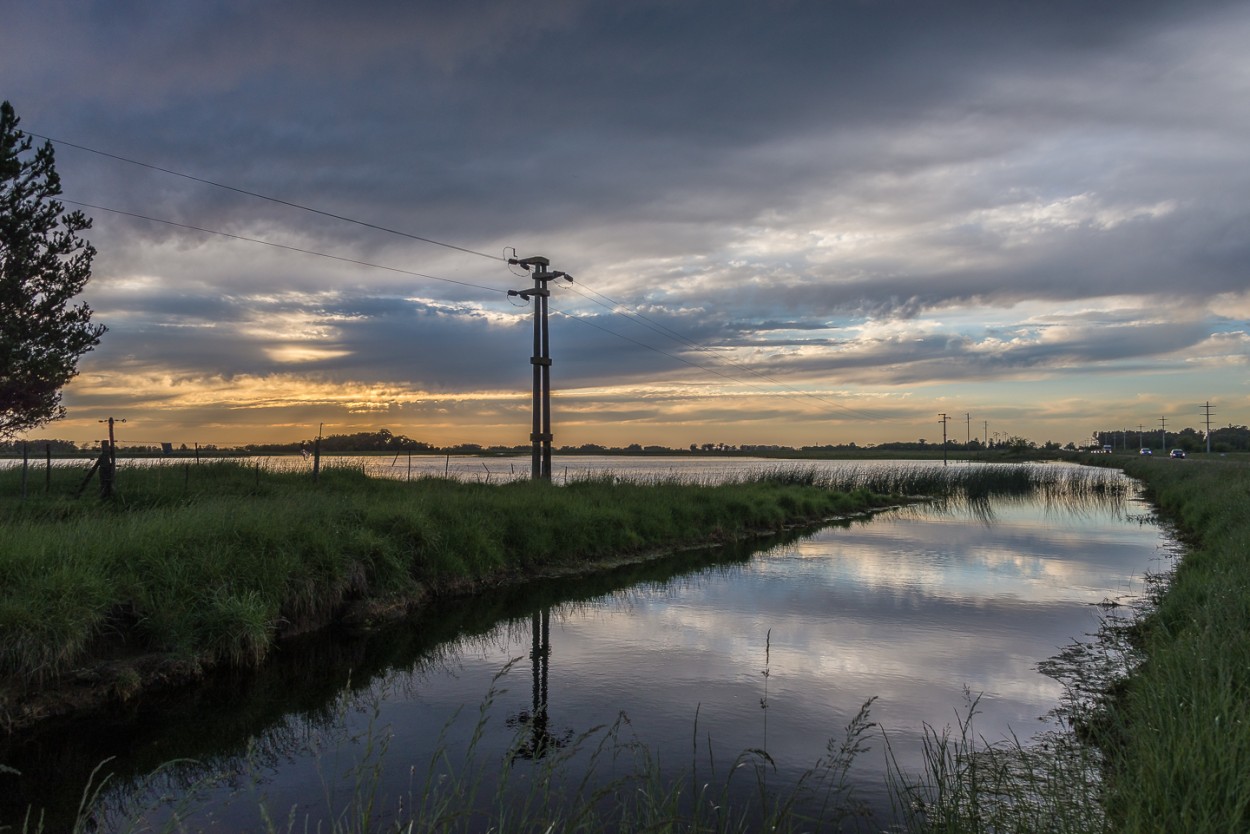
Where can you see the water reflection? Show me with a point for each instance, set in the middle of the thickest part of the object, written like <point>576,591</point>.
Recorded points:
<point>911,607</point>
<point>537,739</point>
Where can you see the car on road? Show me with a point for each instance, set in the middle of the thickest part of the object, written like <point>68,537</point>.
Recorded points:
<point>1145,452</point>
<point>1178,453</point>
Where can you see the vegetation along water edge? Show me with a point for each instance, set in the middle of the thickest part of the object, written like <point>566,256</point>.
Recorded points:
<point>195,566</point>
<point>188,569</point>
<point>1158,704</point>
<point>1175,733</point>
<point>1164,748</point>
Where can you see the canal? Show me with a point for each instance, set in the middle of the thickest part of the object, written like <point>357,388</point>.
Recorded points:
<point>677,669</point>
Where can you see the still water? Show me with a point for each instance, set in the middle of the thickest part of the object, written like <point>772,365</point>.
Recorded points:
<point>698,658</point>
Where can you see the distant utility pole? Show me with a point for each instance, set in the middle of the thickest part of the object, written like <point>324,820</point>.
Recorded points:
<point>968,429</point>
<point>1208,410</point>
<point>985,426</point>
<point>944,420</point>
<point>1163,431</point>
<point>541,360</point>
<point>1140,429</point>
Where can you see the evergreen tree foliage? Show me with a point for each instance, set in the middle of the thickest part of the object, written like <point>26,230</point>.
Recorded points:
<point>44,265</point>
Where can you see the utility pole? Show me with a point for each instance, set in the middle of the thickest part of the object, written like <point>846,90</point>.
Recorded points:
<point>540,436</point>
<point>1140,429</point>
<point>108,461</point>
<point>1163,431</point>
<point>944,420</point>
<point>967,430</point>
<point>1207,409</point>
<point>985,427</point>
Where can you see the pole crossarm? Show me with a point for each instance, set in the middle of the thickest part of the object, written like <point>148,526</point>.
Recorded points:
<point>540,436</point>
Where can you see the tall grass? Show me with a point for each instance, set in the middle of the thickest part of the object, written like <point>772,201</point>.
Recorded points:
<point>217,562</point>
<point>1050,783</point>
<point>600,780</point>
<point>1176,734</point>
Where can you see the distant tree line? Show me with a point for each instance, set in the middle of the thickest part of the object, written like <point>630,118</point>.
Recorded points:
<point>59,447</point>
<point>381,440</point>
<point>1226,439</point>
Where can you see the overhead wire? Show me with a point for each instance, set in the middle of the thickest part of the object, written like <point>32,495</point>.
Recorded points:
<point>693,364</point>
<point>284,246</point>
<point>357,262</point>
<point>635,316</point>
<point>663,330</point>
<point>277,200</point>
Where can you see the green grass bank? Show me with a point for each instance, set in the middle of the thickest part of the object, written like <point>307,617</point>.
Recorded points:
<point>1176,733</point>
<point>210,566</point>
<point>213,566</point>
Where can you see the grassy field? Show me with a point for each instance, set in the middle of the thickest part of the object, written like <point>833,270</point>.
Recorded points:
<point>215,563</point>
<point>1176,734</point>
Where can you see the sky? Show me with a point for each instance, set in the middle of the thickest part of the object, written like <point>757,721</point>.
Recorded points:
<point>787,222</point>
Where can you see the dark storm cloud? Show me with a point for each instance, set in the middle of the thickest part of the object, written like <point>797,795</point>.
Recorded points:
<point>743,173</point>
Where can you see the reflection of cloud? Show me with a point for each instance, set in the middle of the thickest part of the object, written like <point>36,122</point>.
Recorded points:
<point>922,608</point>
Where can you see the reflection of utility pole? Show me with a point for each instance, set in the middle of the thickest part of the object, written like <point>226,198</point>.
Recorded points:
<point>540,658</point>
<point>540,740</point>
<point>944,421</point>
<point>541,360</point>
<point>1207,409</point>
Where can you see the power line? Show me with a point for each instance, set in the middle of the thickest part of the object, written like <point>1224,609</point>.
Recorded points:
<point>282,246</point>
<point>686,361</point>
<point>635,315</point>
<point>653,348</point>
<point>371,265</point>
<point>277,200</point>
<point>662,330</point>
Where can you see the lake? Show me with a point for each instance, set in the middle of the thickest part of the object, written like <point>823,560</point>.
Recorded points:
<point>692,660</point>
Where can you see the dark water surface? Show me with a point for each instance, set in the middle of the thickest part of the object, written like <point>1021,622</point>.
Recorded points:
<point>914,607</point>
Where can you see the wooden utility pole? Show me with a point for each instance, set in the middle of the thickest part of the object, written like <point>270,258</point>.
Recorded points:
<point>540,435</point>
<point>1207,408</point>
<point>317,453</point>
<point>944,420</point>
<point>108,461</point>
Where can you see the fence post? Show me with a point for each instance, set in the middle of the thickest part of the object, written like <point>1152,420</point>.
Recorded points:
<point>107,469</point>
